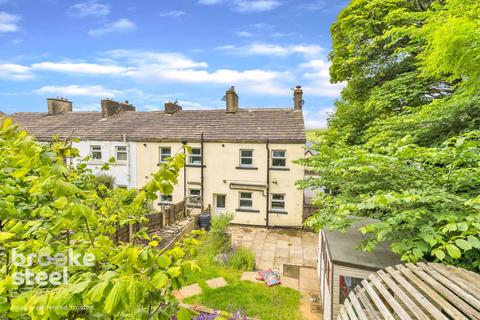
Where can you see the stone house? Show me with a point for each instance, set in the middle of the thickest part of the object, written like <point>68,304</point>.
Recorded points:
<point>241,159</point>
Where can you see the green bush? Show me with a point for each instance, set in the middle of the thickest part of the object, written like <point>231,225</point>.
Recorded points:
<point>219,237</point>
<point>242,259</point>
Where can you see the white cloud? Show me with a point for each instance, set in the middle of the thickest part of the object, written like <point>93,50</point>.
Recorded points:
<point>121,25</point>
<point>244,34</point>
<point>186,105</point>
<point>246,5</point>
<point>83,68</point>
<point>317,120</point>
<point>89,8</point>
<point>13,71</point>
<point>172,13</point>
<point>8,22</point>
<point>255,5</point>
<point>314,5</point>
<point>160,59</point>
<point>76,90</point>
<point>273,49</point>
<point>209,2</point>
<point>86,107</point>
<point>318,78</point>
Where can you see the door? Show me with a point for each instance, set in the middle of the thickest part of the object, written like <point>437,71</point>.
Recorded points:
<point>220,203</point>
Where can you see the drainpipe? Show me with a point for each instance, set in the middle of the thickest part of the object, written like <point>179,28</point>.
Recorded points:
<point>184,143</point>
<point>201,170</point>
<point>268,183</point>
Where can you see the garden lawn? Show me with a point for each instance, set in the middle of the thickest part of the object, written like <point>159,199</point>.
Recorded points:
<point>254,299</point>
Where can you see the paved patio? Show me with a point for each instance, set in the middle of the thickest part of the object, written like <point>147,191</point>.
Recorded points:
<point>275,247</point>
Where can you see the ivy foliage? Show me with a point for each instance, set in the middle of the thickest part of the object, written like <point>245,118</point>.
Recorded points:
<point>403,146</point>
<point>48,208</point>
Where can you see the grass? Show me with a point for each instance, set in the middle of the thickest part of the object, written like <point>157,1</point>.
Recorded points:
<point>254,299</point>
<point>312,134</point>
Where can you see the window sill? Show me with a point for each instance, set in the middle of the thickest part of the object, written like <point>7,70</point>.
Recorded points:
<point>279,169</point>
<point>246,168</point>
<point>246,210</point>
<point>278,211</point>
<point>189,165</point>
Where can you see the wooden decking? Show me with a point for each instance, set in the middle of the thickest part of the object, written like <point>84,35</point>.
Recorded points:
<point>415,291</point>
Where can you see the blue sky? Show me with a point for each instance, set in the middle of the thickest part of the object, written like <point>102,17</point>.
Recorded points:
<point>152,51</point>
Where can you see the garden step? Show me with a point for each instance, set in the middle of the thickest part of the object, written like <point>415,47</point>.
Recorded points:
<point>191,290</point>
<point>216,282</point>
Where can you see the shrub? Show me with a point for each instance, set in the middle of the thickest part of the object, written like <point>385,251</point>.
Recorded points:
<point>219,236</point>
<point>242,259</point>
<point>106,179</point>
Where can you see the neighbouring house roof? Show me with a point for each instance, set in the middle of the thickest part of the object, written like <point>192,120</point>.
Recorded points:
<point>246,125</point>
<point>344,248</point>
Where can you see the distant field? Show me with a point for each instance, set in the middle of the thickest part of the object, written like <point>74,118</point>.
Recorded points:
<point>312,134</point>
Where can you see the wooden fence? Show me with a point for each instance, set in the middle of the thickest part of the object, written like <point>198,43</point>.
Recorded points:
<point>169,214</point>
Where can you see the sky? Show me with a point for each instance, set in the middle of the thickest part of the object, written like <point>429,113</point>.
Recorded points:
<point>153,51</point>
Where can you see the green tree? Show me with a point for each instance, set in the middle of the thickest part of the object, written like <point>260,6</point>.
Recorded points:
<point>403,145</point>
<point>48,208</point>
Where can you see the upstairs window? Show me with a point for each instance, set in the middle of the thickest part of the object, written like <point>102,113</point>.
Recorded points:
<point>246,158</point>
<point>195,156</point>
<point>246,201</point>
<point>121,153</point>
<point>278,202</point>
<point>96,152</point>
<point>165,153</point>
<point>279,158</point>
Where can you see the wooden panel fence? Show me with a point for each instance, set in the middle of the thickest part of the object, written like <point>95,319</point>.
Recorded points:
<point>168,214</point>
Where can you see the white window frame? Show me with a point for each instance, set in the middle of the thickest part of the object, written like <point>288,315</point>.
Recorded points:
<point>163,156</point>
<point>246,157</point>
<point>190,197</point>
<point>117,151</point>
<point>284,158</point>
<point>242,198</point>
<point>92,151</point>
<point>282,201</point>
<point>166,199</point>
<point>193,156</point>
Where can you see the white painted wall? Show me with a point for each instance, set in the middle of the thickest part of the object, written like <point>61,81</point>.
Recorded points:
<point>123,171</point>
<point>221,161</point>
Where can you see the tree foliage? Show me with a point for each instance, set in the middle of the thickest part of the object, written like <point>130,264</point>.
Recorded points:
<point>47,208</point>
<point>403,145</point>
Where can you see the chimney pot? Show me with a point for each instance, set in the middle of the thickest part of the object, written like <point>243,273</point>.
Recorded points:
<point>298,98</point>
<point>111,107</point>
<point>231,98</point>
<point>171,107</point>
<point>58,105</point>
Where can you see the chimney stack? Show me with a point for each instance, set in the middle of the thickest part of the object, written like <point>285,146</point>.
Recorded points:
<point>297,98</point>
<point>172,107</point>
<point>58,105</point>
<point>110,107</point>
<point>232,100</point>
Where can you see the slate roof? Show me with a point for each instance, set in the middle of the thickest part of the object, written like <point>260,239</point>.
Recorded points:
<point>246,125</point>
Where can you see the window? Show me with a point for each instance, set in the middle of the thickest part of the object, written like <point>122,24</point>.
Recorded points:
<point>165,152</point>
<point>246,158</point>
<point>194,197</point>
<point>279,158</point>
<point>278,202</point>
<point>121,153</point>
<point>96,152</point>
<point>195,156</point>
<point>246,200</point>
<point>346,285</point>
<point>166,199</point>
